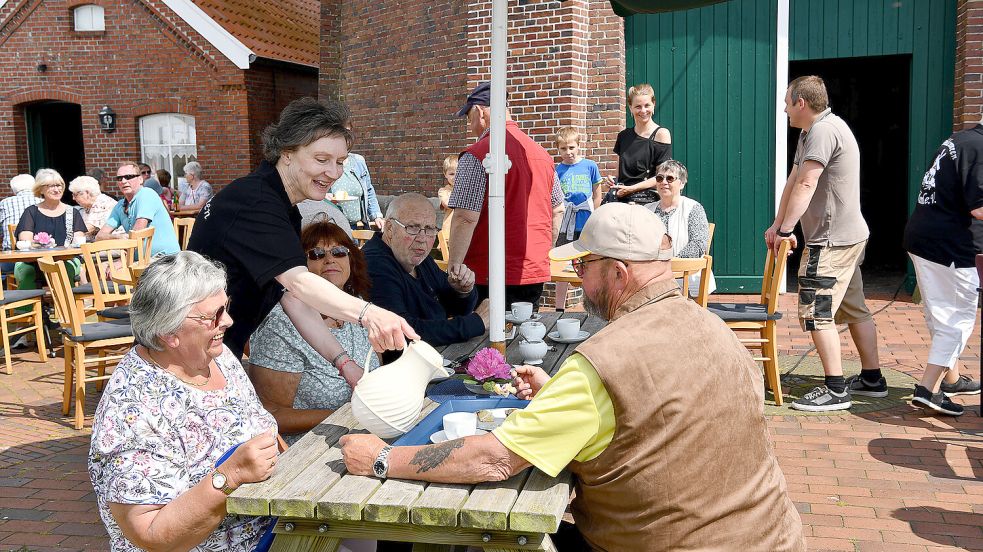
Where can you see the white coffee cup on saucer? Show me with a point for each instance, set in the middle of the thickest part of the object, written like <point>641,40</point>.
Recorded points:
<point>23,245</point>
<point>460,424</point>
<point>532,330</point>
<point>521,311</point>
<point>568,328</point>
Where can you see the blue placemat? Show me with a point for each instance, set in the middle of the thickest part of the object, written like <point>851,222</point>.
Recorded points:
<point>420,435</point>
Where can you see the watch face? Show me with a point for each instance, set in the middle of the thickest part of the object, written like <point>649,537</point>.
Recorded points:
<point>379,468</point>
<point>218,480</point>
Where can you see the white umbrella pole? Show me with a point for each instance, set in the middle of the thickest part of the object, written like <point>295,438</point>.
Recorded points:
<point>496,165</point>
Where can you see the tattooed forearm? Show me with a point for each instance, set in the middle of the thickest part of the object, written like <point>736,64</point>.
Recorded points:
<point>430,457</point>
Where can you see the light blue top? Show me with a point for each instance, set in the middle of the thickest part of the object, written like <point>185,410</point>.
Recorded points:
<point>358,184</point>
<point>147,204</point>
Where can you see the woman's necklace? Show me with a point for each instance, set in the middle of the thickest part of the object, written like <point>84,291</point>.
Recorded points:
<point>191,383</point>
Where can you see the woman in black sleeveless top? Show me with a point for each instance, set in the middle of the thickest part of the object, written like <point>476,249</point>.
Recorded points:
<point>641,149</point>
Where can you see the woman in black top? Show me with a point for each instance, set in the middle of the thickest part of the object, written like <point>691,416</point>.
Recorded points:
<point>640,149</point>
<point>61,222</point>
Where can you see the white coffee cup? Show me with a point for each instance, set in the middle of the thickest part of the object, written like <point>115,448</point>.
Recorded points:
<point>521,311</point>
<point>460,424</point>
<point>532,330</point>
<point>568,328</point>
<point>23,245</point>
<point>79,241</point>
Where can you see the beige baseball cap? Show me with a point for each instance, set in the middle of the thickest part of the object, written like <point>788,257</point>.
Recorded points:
<point>619,231</point>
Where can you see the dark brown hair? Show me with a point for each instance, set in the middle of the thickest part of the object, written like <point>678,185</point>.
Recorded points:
<point>358,283</point>
<point>812,89</point>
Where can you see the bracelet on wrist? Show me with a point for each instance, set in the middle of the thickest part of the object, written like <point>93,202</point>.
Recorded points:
<point>341,355</point>
<point>361,315</point>
<point>785,234</point>
<point>346,362</point>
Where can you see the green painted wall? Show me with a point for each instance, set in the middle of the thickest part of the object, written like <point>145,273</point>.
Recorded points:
<point>713,70</point>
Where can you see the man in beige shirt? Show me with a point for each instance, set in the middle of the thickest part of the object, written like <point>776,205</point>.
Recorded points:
<point>823,193</point>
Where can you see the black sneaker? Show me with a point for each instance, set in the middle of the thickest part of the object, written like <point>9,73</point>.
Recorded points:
<point>822,399</point>
<point>935,401</point>
<point>965,386</point>
<point>856,385</point>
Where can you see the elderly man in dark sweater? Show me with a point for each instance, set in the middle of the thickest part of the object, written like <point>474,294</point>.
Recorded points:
<point>405,279</point>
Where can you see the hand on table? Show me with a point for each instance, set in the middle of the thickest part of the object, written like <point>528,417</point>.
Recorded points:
<point>461,278</point>
<point>387,331</point>
<point>253,461</point>
<point>529,380</point>
<point>360,451</point>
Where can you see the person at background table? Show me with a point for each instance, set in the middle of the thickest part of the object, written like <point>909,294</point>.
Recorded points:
<point>533,206</point>
<point>167,195</point>
<point>640,150</point>
<point>296,384</point>
<point>640,448</point>
<point>140,207</point>
<point>580,181</point>
<point>357,184</point>
<point>684,218</point>
<point>95,205</point>
<point>943,237</point>
<point>406,279</point>
<point>177,401</point>
<point>253,227</point>
<point>60,221</point>
<point>11,209</point>
<point>196,190</point>
<point>444,195</point>
<point>149,179</point>
<point>312,212</point>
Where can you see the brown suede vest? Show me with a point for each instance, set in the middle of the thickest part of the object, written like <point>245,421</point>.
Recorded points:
<point>690,466</point>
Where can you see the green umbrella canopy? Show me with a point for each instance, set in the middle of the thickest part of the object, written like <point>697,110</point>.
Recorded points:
<point>624,8</point>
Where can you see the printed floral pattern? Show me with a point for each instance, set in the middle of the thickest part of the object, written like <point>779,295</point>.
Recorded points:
<point>155,437</point>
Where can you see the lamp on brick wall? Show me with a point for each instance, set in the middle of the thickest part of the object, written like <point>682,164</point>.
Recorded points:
<point>107,119</point>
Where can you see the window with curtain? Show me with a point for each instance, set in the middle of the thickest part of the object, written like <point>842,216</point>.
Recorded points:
<point>167,141</point>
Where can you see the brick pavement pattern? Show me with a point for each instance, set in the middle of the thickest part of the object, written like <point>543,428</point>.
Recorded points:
<point>894,480</point>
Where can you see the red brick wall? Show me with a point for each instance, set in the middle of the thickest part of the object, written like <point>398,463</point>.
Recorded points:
<point>969,64</point>
<point>270,87</point>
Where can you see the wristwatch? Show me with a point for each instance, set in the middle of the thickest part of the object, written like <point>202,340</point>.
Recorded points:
<point>381,465</point>
<point>785,234</point>
<point>221,483</point>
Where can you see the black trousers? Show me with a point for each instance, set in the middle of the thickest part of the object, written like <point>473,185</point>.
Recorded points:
<point>529,293</point>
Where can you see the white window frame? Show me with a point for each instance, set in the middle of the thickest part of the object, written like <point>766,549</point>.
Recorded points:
<point>89,18</point>
<point>154,142</point>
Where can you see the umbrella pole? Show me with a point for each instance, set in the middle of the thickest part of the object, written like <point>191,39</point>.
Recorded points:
<point>497,165</point>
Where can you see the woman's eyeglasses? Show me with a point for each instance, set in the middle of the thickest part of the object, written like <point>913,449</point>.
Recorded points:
<point>580,265</point>
<point>666,177</point>
<point>318,253</point>
<point>214,319</point>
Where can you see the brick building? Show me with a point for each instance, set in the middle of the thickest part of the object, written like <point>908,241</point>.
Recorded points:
<point>187,81</point>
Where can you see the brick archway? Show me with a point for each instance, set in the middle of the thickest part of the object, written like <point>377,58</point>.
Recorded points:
<point>45,93</point>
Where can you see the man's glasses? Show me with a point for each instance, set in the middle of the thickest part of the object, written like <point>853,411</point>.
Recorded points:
<point>123,177</point>
<point>415,229</point>
<point>214,319</point>
<point>318,253</point>
<point>580,265</point>
<point>666,177</point>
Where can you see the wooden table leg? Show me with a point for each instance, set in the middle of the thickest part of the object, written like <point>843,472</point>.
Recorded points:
<point>304,543</point>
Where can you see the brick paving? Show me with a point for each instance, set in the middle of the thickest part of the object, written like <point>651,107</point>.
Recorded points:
<point>892,480</point>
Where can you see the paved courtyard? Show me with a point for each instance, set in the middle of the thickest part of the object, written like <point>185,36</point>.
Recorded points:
<point>887,480</point>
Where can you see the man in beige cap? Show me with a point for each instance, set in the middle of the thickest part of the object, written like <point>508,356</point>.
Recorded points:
<point>659,415</point>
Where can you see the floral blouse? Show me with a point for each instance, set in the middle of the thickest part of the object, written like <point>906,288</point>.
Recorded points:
<point>154,437</point>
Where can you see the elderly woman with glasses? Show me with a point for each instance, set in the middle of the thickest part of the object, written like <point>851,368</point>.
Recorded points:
<point>50,223</point>
<point>297,385</point>
<point>95,205</point>
<point>177,403</point>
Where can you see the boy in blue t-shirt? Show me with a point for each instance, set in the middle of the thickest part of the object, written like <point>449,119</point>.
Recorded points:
<point>579,179</point>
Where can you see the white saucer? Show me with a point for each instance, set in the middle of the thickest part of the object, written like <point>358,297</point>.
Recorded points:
<point>509,318</point>
<point>581,335</point>
<point>440,436</point>
<point>533,362</point>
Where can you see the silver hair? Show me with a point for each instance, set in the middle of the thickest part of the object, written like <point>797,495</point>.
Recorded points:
<point>194,168</point>
<point>168,288</point>
<point>673,166</point>
<point>21,183</point>
<point>45,178</point>
<point>396,205</point>
<point>85,184</point>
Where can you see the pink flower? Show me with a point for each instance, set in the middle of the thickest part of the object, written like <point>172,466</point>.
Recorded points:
<point>42,238</point>
<point>489,364</point>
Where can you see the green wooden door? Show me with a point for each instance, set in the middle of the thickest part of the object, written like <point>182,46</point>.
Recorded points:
<point>713,71</point>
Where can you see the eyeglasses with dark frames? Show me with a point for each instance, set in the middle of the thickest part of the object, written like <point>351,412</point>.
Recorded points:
<point>214,319</point>
<point>580,265</point>
<point>145,172</point>
<point>318,253</point>
<point>123,177</point>
<point>666,177</point>
<point>415,229</point>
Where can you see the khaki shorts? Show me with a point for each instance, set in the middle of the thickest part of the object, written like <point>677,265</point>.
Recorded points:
<point>831,289</point>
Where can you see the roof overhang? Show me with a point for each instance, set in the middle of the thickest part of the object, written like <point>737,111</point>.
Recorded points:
<point>210,30</point>
<point>624,8</point>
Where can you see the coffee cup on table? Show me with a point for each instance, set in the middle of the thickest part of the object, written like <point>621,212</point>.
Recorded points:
<point>460,424</point>
<point>521,311</point>
<point>23,245</point>
<point>568,328</point>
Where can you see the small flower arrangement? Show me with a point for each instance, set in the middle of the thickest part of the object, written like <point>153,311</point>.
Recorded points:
<point>489,370</point>
<point>43,239</point>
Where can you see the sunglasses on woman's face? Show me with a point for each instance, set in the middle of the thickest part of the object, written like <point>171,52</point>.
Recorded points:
<point>318,253</point>
<point>667,177</point>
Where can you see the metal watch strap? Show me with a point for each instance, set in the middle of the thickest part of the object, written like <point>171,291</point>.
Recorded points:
<point>225,486</point>
<point>381,465</point>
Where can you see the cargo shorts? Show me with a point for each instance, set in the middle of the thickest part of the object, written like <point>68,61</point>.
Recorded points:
<point>831,288</point>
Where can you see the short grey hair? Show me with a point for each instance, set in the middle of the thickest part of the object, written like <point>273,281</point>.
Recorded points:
<point>168,288</point>
<point>21,183</point>
<point>675,167</point>
<point>45,178</point>
<point>194,168</point>
<point>85,184</point>
<point>397,205</point>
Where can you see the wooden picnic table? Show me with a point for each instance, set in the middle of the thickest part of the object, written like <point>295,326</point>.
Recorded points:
<point>318,502</point>
<point>179,213</point>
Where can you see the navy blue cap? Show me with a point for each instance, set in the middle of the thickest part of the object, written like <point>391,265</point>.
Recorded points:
<point>481,95</point>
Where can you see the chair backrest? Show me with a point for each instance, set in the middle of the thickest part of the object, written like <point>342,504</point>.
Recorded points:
<point>146,237</point>
<point>182,229</point>
<point>445,253</point>
<point>711,227</point>
<point>103,257</point>
<point>12,232</point>
<point>684,268</point>
<point>361,237</point>
<point>69,315</point>
<point>771,283</point>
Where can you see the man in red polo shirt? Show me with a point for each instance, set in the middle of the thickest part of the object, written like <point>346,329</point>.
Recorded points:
<point>533,206</point>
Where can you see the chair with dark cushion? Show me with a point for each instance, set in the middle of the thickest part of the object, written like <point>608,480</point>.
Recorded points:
<point>110,299</point>
<point>10,302</point>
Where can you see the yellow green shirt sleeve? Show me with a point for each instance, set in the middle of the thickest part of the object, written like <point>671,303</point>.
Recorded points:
<point>571,418</point>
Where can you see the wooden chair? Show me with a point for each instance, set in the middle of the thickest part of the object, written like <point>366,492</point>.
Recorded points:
<point>182,229</point>
<point>445,254</point>
<point>81,339</point>
<point>684,268</point>
<point>761,317</point>
<point>711,228</point>
<point>15,299</point>
<point>111,299</point>
<point>146,237</point>
<point>361,237</point>
<point>12,232</point>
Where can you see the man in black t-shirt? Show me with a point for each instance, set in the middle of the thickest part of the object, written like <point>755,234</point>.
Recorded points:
<point>942,239</point>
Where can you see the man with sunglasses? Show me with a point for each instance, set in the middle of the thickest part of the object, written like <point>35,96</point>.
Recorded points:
<point>405,279</point>
<point>140,207</point>
<point>641,413</point>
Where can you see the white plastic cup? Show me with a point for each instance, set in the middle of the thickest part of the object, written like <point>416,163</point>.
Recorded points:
<point>460,424</point>
<point>521,311</point>
<point>23,245</point>
<point>568,328</point>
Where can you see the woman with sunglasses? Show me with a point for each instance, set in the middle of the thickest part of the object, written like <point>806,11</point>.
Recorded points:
<point>297,385</point>
<point>685,219</point>
<point>640,150</point>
